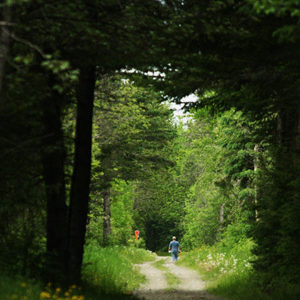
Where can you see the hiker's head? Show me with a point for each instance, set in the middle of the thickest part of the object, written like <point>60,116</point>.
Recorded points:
<point>174,238</point>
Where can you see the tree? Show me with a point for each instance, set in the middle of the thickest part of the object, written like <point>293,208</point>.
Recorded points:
<point>158,208</point>
<point>4,39</point>
<point>250,62</point>
<point>39,45</point>
<point>132,130</point>
<point>217,166</point>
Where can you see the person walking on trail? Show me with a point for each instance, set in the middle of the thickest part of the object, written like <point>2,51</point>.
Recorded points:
<point>174,248</point>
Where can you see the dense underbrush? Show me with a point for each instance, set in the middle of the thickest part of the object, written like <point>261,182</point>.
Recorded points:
<point>108,273</point>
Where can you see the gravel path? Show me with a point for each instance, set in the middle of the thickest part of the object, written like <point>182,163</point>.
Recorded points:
<point>155,278</point>
<point>191,286</point>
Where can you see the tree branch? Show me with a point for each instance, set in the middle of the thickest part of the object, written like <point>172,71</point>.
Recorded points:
<point>28,43</point>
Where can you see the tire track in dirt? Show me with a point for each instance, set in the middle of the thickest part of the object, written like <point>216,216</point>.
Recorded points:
<point>191,286</point>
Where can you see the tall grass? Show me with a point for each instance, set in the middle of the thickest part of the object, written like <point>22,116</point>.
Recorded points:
<point>111,269</point>
<point>108,273</point>
<point>18,288</point>
<point>217,260</point>
<point>229,273</point>
<point>228,270</point>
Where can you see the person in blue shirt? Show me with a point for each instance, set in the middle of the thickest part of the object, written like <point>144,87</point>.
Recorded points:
<point>174,248</point>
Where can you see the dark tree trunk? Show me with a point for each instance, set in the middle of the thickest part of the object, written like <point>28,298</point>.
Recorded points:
<point>79,197</point>
<point>53,160</point>
<point>288,129</point>
<point>255,168</point>
<point>107,215</point>
<point>279,211</point>
<point>4,40</point>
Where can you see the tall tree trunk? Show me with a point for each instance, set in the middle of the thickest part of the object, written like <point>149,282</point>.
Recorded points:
<point>281,213</point>
<point>221,215</point>
<point>53,160</point>
<point>221,220</point>
<point>288,129</point>
<point>4,40</point>
<point>107,215</point>
<point>80,188</point>
<point>255,167</point>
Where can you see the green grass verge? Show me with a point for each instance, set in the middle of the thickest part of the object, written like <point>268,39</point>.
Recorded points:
<point>229,274</point>
<point>162,253</point>
<point>108,273</point>
<point>111,269</point>
<point>18,288</point>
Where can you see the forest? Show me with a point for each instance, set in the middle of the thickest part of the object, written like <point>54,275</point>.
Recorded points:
<point>93,149</point>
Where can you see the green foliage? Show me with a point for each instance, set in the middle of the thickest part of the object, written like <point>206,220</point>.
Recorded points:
<point>235,233</point>
<point>221,259</point>
<point>111,268</point>
<point>108,274</point>
<point>228,269</point>
<point>158,209</point>
<point>94,229</point>
<point>202,186</point>
<point>250,61</point>
<point>279,7</point>
<point>221,191</point>
<point>22,212</point>
<point>290,9</point>
<point>133,132</point>
<point>277,230</point>
<point>121,211</point>
<point>46,50</point>
<point>242,286</point>
<point>132,128</point>
<point>122,224</point>
<point>139,243</point>
<point>21,288</point>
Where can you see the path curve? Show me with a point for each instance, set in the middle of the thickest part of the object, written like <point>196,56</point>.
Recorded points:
<point>191,286</point>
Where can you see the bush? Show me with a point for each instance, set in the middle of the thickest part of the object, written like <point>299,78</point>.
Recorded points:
<point>235,234</point>
<point>140,243</point>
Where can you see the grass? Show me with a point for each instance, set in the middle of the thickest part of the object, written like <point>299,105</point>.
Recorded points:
<point>229,273</point>
<point>18,288</point>
<point>227,270</point>
<point>111,269</point>
<point>108,273</point>
<point>172,280</point>
<point>162,253</point>
<point>160,265</point>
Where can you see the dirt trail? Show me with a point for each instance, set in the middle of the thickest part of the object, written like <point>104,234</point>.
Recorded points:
<point>155,278</point>
<point>191,286</point>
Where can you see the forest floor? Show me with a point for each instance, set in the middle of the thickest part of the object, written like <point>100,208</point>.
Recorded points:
<point>166,280</point>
